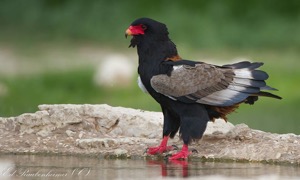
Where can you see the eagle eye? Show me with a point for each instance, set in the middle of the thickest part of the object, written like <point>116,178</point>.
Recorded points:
<point>144,27</point>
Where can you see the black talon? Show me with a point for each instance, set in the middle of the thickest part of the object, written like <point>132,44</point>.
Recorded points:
<point>195,151</point>
<point>175,147</point>
<point>167,156</point>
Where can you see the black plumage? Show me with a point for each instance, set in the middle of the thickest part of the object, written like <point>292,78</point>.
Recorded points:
<point>190,93</point>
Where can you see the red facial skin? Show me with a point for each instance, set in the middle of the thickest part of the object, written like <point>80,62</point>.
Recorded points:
<point>135,30</point>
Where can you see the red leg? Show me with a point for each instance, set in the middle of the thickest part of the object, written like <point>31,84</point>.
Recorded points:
<point>183,154</point>
<point>161,148</point>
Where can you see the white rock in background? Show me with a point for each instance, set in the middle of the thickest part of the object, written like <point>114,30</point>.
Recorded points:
<point>115,70</point>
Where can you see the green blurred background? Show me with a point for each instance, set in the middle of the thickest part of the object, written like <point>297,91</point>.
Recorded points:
<point>50,51</point>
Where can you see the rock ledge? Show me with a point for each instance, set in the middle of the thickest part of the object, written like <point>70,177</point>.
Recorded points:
<point>102,130</point>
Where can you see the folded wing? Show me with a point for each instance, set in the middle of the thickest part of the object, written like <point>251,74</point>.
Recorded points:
<point>212,85</point>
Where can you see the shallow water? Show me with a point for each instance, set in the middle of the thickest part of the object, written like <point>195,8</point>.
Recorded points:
<point>19,167</point>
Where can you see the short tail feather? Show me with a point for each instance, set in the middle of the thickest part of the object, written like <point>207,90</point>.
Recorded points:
<point>267,94</point>
<point>248,81</point>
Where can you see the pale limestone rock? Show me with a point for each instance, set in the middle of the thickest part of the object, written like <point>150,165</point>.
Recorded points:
<point>240,131</point>
<point>120,152</point>
<point>70,133</point>
<point>43,133</point>
<point>80,135</point>
<point>96,143</point>
<point>218,127</point>
<point>102,129</point>
<point>113,121</point>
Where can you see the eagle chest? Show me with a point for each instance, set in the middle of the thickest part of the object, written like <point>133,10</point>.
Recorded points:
<point>141,85</point>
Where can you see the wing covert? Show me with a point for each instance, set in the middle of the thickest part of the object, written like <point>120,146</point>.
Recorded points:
<point>197,81</point>
<point>209,84</point>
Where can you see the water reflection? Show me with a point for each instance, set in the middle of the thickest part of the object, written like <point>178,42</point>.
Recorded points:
<point>16,167</point>
<point>172,168</point>
<point>193,169</point>
<point>204,169</point>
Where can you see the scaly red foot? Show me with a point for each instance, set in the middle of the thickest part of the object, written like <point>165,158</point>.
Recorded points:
<point>161,148</point>
<point>183,154</point>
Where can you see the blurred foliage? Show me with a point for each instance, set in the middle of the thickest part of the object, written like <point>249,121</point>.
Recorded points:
<point>76,86</point>
<point>266,31</point>
<point>210,24</point>
<point>71,87</point>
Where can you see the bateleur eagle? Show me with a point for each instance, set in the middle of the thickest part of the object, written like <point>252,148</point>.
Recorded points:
<point>190,93</point>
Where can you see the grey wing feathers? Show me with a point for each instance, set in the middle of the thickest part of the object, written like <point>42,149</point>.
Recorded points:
<point>186,80</point>
<point>193,82</point>
<point>212,85</point>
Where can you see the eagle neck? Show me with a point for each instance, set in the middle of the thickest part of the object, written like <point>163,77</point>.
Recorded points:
<point>152,52</point>
<point>151,55</point>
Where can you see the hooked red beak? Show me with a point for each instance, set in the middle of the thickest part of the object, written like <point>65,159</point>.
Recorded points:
<point>134,30</point>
